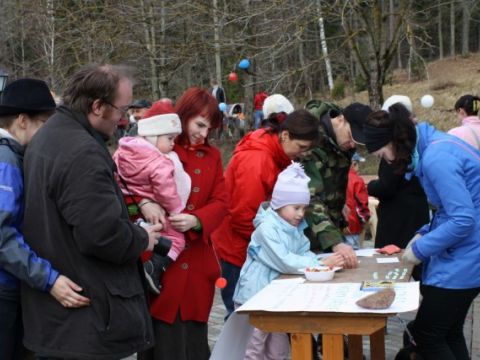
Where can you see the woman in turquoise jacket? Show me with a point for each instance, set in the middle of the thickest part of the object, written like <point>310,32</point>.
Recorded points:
<point>449,247</point>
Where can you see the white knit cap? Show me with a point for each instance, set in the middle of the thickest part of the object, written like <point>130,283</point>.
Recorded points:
<point>160,125</point>
<point>276,103</point>
<point>398,99</point>
<point>291,187</point>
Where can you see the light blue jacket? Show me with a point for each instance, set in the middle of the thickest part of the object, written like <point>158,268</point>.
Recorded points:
<point>276,247</point>
<point>449,171</point>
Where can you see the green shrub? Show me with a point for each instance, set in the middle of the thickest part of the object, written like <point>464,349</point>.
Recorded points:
<point>338,91</point>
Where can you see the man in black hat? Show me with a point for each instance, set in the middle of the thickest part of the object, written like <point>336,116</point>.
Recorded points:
<point>25,106</point>
<point>138,110</point>
<point>328,165</point>
<point>75,215</point>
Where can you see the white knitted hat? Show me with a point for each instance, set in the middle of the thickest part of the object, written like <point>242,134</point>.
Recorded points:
<point>160,125</point>
<point>276,103</point>
<point>398,99</point>
<point>291,187</point>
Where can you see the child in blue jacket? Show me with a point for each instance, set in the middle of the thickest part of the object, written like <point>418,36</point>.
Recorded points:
<point>278,246</point>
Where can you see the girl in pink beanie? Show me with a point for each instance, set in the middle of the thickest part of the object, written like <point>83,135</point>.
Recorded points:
<point>150,171</point>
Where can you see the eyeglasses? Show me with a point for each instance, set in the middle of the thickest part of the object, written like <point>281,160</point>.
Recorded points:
<point>122,110</point>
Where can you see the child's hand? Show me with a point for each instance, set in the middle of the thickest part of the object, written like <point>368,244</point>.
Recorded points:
<point>334,260</point>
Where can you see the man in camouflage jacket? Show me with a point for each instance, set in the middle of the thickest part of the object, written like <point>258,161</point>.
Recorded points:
<point>327,165</point>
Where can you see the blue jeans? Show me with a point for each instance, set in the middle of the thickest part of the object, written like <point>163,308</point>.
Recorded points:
<point>231,273</point>
<point>258,118</point>
<point>352,240</point>
<point>11,329</point>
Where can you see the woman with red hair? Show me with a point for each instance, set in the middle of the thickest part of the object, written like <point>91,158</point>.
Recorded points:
<point>180,313</point>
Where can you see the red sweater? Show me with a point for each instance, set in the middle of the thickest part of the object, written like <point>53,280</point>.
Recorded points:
<point>357,202</point>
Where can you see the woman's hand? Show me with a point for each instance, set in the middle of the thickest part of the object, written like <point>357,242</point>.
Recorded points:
<point>334,260</point>
<point>348,254</point>
<point>65,291</point>
<point>183,222</point>
<point>152,212</point>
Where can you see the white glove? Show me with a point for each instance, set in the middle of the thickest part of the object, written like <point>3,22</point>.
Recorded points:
<point>415,238</point>
<point>409,257</point>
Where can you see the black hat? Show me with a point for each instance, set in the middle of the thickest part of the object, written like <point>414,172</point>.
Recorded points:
<point>356,115</point>
<point>26,96</point>
<point>140,104</point>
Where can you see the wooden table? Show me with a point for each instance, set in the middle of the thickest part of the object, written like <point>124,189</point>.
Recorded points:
<point>333,326</point>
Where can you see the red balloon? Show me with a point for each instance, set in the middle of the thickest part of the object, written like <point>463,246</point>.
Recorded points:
<point>233,77</point>
<point>221,283</point>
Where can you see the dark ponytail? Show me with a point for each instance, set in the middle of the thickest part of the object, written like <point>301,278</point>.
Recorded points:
<point>399,124</point>
<point>300,124</point>
<point>469,103</point>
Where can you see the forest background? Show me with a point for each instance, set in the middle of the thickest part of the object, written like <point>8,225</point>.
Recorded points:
<point>341,50</point>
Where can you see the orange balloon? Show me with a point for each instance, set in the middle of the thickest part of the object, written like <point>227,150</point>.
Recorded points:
<point>221,283</point>
<point>233,77</point>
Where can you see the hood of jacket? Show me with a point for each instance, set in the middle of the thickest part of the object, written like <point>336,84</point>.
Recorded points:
<point>133,155</point>
<point>263,141</point>
<point>266,213</point>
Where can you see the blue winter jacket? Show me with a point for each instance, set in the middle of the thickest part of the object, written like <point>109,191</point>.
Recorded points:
<point>276,247</point>
<point>449,171</point>
<point>17,261</point>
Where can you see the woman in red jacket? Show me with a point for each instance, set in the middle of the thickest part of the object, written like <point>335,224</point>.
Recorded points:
<point>180,313</point>
<point>250,176</point>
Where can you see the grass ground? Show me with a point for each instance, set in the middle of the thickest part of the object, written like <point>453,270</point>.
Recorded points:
<point>448,79</point>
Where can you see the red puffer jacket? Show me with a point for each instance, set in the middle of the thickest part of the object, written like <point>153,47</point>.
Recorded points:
<point>249,178</point>
<point>357,202</point>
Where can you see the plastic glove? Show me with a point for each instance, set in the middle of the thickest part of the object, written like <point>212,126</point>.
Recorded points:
<point>409,257</point>
<point>411,242</point>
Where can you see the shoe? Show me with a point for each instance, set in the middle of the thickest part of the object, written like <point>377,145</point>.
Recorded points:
<point>152,276</point>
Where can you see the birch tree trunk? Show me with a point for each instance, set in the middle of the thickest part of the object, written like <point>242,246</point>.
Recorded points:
<point>149,33</point>
<point>216,39</point>
<point>465,26</point>
<point>323,42</point>
<point>452,28</point>
<point>440,34</point>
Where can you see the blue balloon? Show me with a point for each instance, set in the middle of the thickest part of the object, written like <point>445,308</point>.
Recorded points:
<point>244,64</point>
<point>222,106</point>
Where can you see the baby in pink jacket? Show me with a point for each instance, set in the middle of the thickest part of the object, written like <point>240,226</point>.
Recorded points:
<point>148,168</point>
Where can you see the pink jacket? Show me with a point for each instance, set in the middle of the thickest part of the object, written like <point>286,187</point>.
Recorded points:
<point>150,174</point>
<point>469,131</point>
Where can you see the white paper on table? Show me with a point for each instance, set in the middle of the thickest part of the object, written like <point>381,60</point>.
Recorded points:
<point>296,280</point>
<point>366,252</point>
<point>388,260</point>
<point>321,297</point>
<point>233,339</point>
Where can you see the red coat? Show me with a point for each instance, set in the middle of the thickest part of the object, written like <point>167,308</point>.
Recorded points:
<point>357,202</point>
<point>250,177</point>
<point>188,285</point>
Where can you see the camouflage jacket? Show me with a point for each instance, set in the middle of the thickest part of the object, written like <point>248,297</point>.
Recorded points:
<point>327,166</point>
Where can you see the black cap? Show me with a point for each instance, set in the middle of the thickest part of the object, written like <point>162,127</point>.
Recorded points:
<point>356,114</point>
<point>140,104</point>
<point>26,96</point>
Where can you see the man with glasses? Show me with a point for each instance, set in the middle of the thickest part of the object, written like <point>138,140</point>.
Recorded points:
<point>75,216</point>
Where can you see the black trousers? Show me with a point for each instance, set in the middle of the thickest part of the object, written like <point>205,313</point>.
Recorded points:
<point>438,327</point>
<point>11,330</point>
<point>182,340</point>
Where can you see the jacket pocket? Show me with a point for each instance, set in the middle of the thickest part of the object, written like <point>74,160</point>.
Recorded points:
<point>126,315</point>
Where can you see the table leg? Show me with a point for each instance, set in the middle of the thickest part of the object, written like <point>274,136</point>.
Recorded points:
<point>332,346</point>
<point>377,345</point>
<point>301,346</point>
<point>355,347</point>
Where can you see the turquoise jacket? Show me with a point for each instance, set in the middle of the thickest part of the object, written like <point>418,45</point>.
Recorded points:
<point>276,247</point>
<point>449,171</point>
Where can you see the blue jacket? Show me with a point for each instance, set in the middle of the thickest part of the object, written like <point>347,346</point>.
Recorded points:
<point>17,260</point>
<point>449,171</point>
<point>276,247</point>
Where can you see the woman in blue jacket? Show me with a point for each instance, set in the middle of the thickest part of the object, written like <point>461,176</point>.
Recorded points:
<point>449,247</point>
